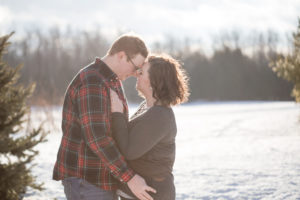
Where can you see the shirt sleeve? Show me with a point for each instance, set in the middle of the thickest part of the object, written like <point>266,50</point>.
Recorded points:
<point>143,136</point>
<point>93,107</point>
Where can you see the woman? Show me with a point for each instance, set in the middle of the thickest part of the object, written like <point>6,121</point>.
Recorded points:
<point>148,140</point>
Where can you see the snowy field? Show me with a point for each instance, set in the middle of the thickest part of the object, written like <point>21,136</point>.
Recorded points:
<point>231,150</point>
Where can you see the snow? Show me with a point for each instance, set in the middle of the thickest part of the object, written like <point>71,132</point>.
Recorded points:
<point>225,150</point>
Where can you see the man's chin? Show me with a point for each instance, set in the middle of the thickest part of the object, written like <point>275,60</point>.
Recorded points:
<point>125,77</point>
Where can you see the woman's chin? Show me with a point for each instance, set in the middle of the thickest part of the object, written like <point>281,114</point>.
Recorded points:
<point>140,92</point>
<point>137,88</point>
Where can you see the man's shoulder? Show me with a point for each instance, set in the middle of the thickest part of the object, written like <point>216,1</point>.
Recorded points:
<point>90,74</point>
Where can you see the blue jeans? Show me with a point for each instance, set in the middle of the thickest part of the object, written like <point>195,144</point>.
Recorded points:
<point>79,189</point>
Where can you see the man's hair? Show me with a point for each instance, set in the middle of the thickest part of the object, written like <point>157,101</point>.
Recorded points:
<point>168,80</point>
<point>131,44</point>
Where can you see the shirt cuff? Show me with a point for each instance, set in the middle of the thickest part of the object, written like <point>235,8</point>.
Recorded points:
<point>127,176</point>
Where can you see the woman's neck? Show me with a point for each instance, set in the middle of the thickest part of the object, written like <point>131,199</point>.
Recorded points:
<point>150,100</point>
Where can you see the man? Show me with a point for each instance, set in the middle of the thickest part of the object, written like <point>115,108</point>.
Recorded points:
<point>88,161</point>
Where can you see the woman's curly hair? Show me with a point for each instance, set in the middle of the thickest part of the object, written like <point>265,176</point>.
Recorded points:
<point>168,80</point>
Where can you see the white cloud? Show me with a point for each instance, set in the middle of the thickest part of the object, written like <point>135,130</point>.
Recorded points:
<point>5,18</point>
<point>5,14</point>
<point>154,19</point>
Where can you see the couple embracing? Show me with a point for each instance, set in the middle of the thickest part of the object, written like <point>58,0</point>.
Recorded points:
<point>106,155</point>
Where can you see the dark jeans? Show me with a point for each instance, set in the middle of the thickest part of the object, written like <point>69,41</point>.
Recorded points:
<point>165,190</point>
<point>78,189</point>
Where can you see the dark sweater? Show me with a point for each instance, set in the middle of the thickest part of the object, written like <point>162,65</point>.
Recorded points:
<point>147,141</point>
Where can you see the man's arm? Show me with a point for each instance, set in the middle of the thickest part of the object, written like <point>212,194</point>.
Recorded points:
<point>93,107</point>
<point>93,101</point>
<point>139,188</point>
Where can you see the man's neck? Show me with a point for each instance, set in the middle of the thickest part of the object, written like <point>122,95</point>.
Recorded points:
<point>110,62</point>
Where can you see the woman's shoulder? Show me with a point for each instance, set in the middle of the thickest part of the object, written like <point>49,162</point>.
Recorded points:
<point>158,112</point>
<point>162,111</point>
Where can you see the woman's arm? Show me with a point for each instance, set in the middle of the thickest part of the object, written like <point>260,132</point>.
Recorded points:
<point>147,131</point>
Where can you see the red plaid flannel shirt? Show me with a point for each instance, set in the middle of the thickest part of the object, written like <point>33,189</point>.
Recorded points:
<point>87,149</point>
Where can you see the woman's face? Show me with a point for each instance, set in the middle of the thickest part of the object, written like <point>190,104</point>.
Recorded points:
<point>143,82</point>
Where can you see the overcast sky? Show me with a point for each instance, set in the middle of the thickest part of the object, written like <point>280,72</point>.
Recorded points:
<point>155,19</point>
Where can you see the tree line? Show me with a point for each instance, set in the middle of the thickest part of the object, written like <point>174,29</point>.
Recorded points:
<point>288,66</point>
<point>237,69</point>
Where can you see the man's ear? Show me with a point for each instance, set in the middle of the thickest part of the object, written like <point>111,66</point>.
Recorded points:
<point>121,55</point>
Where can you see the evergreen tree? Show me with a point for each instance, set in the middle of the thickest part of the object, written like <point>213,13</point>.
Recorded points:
<point>16,144</point>
<point>288,67</point>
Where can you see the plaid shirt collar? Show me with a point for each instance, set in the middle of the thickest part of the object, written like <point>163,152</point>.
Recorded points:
<point>111,77</point>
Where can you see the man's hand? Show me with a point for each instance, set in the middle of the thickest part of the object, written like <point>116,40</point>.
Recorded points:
<point>139,188</point>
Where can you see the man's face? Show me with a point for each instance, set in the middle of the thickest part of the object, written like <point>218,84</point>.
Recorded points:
<point>131,66</point>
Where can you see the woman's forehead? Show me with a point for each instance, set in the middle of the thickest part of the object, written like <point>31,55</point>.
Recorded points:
<point>146,64</point>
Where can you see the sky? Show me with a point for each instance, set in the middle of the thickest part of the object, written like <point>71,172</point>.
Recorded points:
<point>154,20</point>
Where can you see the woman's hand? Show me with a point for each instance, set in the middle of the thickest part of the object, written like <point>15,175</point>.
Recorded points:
<point>116,103</point>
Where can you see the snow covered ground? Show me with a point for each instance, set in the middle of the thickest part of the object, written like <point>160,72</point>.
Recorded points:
<point>225,150</point>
